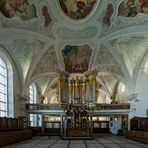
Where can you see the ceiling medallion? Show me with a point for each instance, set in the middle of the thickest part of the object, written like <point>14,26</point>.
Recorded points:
<point>77,9</point>
<point>76,58</point>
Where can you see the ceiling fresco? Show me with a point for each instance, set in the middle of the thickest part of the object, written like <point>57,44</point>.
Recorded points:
<point>77,9</point>
<point>46,15</point>
<point>76,58</point>
<point>109,36</point>
<point>131,8</point>
<point>107,15</point>
<point>17,8</point>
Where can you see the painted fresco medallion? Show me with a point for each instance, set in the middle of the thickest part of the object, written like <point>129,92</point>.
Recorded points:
<point>17,8</point>
<point>131,8</point>
<point>76,58</point>
<point>77,9</point>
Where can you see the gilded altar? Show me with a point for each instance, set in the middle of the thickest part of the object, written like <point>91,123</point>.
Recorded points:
<point>76,123</point>
<point>78,132</point>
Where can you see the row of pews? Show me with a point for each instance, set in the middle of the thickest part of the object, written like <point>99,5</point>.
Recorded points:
<point>138,129</point>
<point>13,130</point>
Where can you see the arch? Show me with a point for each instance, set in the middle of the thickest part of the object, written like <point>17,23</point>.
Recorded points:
<point>33,64</point>
<point>141,66</point>
<point>111,91</point>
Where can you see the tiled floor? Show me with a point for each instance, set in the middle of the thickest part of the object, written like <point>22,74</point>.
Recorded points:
<point>100,141</point>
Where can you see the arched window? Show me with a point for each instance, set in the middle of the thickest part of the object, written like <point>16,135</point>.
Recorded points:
<point>3,89</point>
<point>33,100</point>
<point>33,93</point>
<point>6,85</point>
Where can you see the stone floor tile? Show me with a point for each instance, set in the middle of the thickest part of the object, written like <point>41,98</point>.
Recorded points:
<point>95,146</point>
<point>59,146</point>
<point>113,146</point>
<point>77,142</point>
<point>40,146</point>
<point>77,146</point>
<point>91,141</point>
<point>100,141</point>
<point>130,145</point>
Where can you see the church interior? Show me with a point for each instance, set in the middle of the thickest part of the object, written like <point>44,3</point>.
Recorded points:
<point>74,73</point>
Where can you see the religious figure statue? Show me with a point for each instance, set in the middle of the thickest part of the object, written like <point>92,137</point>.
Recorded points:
<point>42,98</point>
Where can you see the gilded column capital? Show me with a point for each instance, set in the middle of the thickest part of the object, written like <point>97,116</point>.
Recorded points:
<point>63,74</point>
<point>91,75</point>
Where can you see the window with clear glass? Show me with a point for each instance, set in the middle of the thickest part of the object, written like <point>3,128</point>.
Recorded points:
<point>3,88</point>
<point>33,120</point>
<point>33,99</point>
<point>32,93</point>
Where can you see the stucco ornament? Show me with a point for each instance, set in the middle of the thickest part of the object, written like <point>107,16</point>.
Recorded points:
<point>131,49</point>
<point>47,63</point>
<point>87,33</point>
<point>106,63</point>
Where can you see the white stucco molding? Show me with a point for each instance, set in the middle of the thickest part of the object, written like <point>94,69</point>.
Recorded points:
<point>133,97</point>
<point>9,34</point>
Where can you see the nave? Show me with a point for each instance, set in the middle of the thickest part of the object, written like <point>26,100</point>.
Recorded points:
<point>73,68</point>
<point>100,141</point>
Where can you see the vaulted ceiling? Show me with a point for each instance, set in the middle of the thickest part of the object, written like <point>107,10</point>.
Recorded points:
<point>45,36</point>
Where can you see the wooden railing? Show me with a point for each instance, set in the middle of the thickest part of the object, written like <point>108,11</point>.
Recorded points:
<point>112,106</point>
<point>124,106</point>
<point>43,106</point>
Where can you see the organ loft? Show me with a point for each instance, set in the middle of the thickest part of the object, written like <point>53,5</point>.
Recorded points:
<point>78,94</point>
<point>78,88</point>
